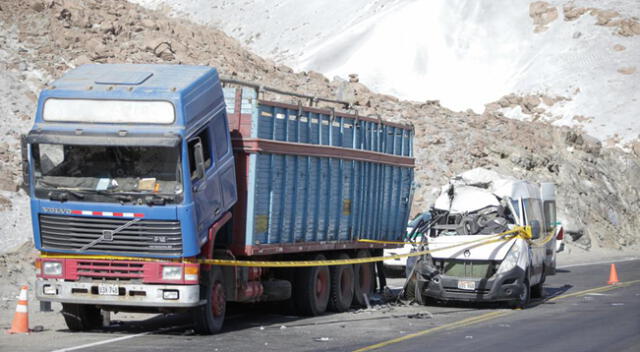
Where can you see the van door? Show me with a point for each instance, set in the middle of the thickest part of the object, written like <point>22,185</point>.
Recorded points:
<point>534,218</point>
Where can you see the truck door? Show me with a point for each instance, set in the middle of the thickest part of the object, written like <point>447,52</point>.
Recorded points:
<point>205,187</point>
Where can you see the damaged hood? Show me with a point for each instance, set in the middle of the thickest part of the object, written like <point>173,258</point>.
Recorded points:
<point>477,251</point>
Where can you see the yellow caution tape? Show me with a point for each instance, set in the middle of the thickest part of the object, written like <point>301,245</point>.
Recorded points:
<point>522,232</point>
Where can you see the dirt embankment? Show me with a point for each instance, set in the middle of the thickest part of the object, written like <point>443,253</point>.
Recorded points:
<point>598,186</point>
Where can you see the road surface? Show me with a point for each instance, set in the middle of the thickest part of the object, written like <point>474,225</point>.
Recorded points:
<point>579,313</point>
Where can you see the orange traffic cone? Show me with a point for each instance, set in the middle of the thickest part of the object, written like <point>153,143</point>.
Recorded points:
<point>21,318</point>
<point>613,275</point>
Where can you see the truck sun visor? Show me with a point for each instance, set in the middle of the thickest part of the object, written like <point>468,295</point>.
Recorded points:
<point>108,139</point>
<point>108,111</point>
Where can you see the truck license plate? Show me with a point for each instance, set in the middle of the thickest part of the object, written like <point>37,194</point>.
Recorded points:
<point>108,290</point>
<point>466,285</point>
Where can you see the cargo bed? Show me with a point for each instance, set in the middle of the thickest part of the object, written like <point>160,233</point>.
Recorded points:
<point>311,179</point>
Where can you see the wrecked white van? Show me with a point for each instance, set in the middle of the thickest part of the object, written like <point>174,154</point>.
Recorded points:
<point>474,207</point>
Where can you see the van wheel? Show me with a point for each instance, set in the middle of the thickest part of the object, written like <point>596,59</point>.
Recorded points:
<point>81,317</point>
<point>537,291</point>
<point>364,280</point>
<point>419,288</point>
<point>312,288</point>
<point>342,286</point>
<point>410,289</point>
<point>208,318</point>
<point>525,296</point>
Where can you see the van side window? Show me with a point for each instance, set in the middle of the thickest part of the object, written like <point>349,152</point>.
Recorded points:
<point>532,209</point>
<point>220,137</point>
<point>549,215</point>
<point>202,137</point>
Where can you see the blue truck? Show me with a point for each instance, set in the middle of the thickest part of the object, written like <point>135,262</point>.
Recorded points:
<point>135,172</point>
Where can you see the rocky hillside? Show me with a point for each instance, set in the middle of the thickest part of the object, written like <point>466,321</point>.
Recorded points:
<point>39,40</point>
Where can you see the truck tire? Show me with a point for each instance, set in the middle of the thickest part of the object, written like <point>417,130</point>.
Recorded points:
<point>209,317</point>
<point>364,280</point>
<point>342,286</point>
<point>81,317</point>
<point>312,288</point>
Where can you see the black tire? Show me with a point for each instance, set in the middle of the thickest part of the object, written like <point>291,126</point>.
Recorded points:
<point>364,280</point>
<point>525,297</point>
<point>81,317</point>
<point>209,318</point>
<point>312,288</point>
<point>410,289</point>
<point>342,286</point>
<point>288,306</point>
<point>419,287</point>
<point>537,291</point>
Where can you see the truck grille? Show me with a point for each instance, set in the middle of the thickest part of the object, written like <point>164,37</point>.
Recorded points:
<point>107,270</point>
<point>155,237</point>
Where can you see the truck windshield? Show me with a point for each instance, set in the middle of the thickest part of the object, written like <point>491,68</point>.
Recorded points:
<point>127,174</point>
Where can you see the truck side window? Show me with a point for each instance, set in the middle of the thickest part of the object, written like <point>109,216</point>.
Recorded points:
<point>202,137</point>
<point>220,137</point>
<point>549,215</point>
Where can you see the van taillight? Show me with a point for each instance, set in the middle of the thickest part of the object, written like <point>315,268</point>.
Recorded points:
<point>560,236</point>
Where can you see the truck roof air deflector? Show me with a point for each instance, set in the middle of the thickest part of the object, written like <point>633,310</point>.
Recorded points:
<point>125,78</point>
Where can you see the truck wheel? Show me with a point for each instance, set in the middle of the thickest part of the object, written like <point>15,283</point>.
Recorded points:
<point>341,293</point>
<point>208,318</point>
<point>312,288</point>
<point>364,279</point>
<point>81,317</point>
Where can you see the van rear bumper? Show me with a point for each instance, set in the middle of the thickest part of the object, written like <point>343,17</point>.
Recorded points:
<point>504,287</point>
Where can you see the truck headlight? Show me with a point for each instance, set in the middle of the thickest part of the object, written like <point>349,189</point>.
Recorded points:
<point>52,268</point>
<point>511,260</point>
<point>171,273</point>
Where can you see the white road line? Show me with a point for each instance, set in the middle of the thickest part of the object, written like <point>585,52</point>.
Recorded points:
<point>629,259</point>
<point>121,338</point>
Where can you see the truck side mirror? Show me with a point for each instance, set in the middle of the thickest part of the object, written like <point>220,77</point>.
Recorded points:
<point>24,147</point>
<point>199,159</point>
<point>535,229</point>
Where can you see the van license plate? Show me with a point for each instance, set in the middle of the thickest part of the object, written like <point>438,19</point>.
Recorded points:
<point>466,285</point>
<point>108,290</point>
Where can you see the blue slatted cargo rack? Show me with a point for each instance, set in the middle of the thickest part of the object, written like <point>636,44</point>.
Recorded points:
<point>313,179</point>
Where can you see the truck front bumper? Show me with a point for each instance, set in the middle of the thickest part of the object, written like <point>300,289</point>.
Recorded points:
<point>504,287</point>
<point>140,295</point>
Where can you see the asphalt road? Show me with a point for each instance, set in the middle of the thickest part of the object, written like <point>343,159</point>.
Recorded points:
<point>580,313</point>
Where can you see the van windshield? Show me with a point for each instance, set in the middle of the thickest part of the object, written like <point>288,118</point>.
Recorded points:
<point>107,173</point>
<point>486,221</point>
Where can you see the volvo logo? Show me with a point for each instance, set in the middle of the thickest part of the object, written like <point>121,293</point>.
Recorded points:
<point>56,210</point>
<point>467,253</point>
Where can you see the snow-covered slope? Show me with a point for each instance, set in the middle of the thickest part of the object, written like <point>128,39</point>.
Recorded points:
<point>465,53</point>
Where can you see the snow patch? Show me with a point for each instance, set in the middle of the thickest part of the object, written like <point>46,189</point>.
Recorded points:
<point>464,53</point>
